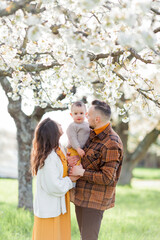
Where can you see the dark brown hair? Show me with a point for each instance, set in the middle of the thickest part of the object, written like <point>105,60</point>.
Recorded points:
<point>103,107</point>
<point>78,104</point>
<point>46,138</point>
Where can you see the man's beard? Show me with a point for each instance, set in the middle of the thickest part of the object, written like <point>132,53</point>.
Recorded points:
<point>91,127</point>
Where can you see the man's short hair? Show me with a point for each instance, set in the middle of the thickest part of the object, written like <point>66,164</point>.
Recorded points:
<point>78,104</point>
<point>103,107</point>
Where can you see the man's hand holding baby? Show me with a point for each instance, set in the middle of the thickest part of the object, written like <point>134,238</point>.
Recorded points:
<point>77,170</point>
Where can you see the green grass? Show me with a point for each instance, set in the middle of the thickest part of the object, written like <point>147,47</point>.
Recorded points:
<point>15,224</point>
<point>136,215</point>
<point>147,173</point>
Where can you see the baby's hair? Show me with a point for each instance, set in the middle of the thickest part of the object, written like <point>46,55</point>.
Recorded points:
<point>78,104</point>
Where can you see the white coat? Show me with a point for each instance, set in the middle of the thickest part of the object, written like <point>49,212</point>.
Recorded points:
<point>51,188</point>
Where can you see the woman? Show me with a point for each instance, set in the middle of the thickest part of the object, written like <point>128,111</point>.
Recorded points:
<point>52,204</point>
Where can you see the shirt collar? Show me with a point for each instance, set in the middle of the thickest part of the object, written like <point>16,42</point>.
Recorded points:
<point>101,135</point>
<point>101,129</point>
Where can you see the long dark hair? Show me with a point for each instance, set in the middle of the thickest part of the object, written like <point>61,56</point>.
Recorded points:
<point>46,138</point>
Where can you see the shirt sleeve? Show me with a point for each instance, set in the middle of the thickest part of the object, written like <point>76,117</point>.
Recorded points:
<point>72,136</point>
<point>51,182</point>
<point>107,175</point>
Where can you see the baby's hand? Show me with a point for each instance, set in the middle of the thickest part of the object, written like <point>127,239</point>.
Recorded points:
<point>80,152</point>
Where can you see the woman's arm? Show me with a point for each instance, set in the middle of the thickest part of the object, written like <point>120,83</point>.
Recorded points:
<point>51,182</point>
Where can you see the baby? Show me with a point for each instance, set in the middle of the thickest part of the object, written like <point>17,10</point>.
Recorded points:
<point>78,131</point>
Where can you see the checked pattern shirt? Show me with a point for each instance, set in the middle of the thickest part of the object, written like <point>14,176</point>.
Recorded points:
<point>102,163</point>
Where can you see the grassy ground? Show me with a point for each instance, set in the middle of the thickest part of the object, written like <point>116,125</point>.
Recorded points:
<point>136,215</point>
<point>147,173</point>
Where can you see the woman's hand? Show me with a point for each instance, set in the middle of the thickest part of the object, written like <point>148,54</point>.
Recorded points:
<point>72,160</point>
<point>77,171</point>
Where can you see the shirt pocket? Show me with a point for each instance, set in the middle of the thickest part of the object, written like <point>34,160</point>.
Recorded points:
<point>92,160</point>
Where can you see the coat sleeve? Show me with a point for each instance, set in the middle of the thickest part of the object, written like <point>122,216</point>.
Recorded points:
<point>107,174</point>
<point>72,136</point>
<point>51,182</point>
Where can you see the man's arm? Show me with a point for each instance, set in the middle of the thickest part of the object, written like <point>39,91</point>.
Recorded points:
<point>107,174</point>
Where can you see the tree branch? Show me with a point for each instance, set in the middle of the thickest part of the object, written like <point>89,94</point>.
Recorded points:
<point>94,57</point>
<point>23,52</point>
<point>5,84</point>
<point>120,76</point>
<point>7,73</point>
<point>156,30</point>
<point>141,91</point>
<point>24,44</point>
<point>61,97</point>
<point>38,67</point>
<point>34,8</point>
<point>39,112</point>
<point>155,11</point>
<point>14,107</point>
<point>137,56</point>
<point>13,7</point>
<point>147,97</point>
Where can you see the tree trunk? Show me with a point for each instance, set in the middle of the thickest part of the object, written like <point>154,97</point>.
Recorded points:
<point>25,130</point>
<point>132,159</point>
<point>126,173</point>
<point>122,129</point>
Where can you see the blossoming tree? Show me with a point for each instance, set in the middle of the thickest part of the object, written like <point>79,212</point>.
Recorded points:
<point>49,48</point>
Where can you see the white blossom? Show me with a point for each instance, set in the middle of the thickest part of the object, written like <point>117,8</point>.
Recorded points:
<point>35,32</point>
<point>69,33</point>
<point>33,20</point>
<point>125,119</point>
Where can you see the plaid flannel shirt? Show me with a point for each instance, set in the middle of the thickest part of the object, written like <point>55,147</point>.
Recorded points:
<point>102,163</point>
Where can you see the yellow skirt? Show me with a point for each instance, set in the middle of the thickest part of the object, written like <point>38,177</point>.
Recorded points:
<point>57,228</point>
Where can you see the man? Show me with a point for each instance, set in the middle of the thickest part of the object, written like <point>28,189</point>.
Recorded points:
<point>95,190</point>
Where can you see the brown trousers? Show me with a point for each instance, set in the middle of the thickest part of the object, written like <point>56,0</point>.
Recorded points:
<point>89,222</point>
